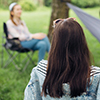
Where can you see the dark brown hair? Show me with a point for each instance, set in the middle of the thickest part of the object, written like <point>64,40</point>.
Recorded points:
<point>69,60</point>
<point>11,16</point>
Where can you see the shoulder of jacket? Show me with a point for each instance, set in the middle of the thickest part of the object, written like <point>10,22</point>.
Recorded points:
<point>95,70</point>
<point>42,67</point>
<point>43,61</point>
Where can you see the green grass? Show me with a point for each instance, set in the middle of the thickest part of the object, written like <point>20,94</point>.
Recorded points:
<point>13,82</point>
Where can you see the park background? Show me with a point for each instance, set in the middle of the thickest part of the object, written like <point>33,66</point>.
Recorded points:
<point>37,14</point>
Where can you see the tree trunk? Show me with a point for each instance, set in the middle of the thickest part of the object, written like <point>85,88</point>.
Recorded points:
<point>59,10</point>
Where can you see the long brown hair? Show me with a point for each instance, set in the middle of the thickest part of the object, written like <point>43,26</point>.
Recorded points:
<point>11,16</point>
<point>69,60</point>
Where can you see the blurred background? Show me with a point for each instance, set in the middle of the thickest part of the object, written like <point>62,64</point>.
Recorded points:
<point>38,15</point>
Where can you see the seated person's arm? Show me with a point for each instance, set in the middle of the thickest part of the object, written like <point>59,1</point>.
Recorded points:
<point>26,29</point>
<point>34,36</point>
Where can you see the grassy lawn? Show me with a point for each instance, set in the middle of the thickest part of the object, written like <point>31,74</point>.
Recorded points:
<point>13,82</point>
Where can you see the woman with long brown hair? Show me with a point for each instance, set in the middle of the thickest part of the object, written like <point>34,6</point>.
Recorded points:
<point>18,29</point>
<point>68,74</point>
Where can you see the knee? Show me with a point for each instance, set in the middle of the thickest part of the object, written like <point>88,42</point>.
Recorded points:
<point>42,45</point>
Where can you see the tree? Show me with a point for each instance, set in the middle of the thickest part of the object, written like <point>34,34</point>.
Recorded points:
<point>47,3</point>
<point>59,10</point>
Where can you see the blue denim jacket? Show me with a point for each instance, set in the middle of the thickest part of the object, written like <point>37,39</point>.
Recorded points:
<point>34,87</point>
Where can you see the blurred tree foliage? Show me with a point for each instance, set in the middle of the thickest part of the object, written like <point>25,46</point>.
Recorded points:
<point>27,5</point>
<point>6,3</point>
<point>47,2</point>
<point>85,3</point>
<point>79,3</point>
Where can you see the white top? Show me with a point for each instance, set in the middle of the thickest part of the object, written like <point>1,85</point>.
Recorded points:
<point>20,31</point>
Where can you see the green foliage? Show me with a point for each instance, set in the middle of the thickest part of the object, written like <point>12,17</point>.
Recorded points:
<point>47,2</point>
<point>85,3</point>
<point>5,3</point>
<point>27,5</point>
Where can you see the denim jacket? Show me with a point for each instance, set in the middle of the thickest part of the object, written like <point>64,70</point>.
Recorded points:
<point>34,87</point>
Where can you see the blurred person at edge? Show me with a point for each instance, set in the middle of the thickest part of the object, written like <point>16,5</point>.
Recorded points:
<point>18,29</point>
<point>68,74</point>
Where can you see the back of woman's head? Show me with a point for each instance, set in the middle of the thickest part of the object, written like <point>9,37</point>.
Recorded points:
<point>69,60</point>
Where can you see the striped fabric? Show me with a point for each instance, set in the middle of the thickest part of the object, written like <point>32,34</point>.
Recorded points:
<point>95,70</point>
<point>42,67</point>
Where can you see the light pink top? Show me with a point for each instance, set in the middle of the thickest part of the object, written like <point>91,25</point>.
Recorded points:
<point>20,31</point>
